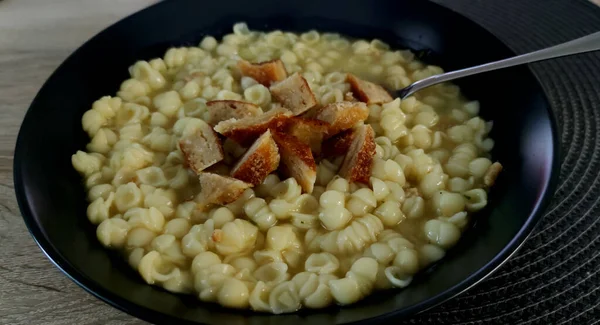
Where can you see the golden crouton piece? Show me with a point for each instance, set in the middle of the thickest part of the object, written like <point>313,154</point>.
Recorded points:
<point>309,131</point>
<point>221,110</point>
<point>358,162</point>
<point>367,91</point>
<point>201,149</point>
<point>342,116</point>
<point>245,130</point>
<point>217,189</point>
<point>297,160</point>
<point>294,94</point>
<point>259,161</point>
<point>264,73</point>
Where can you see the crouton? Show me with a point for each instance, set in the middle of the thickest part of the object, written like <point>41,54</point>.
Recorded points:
<point>294,93</point>
<point>245,130</point>
<point>491,174</point>
<point>259,161</point>
<point>367,91</point>
<point>296,160</point>
<point>338,145</point>
<point>217,189</point>
<point>309,131</point>
<point>201,149</point>
<point>342,115</point>
<point>264,73</point>
<point>358,162</point>
<point>221,110</point>
<point>276,106</point>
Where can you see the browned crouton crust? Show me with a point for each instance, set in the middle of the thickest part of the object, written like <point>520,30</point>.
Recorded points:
<point>259,161</point>
<point>338,145</point>
<point>342,115</point>
<point>221,110</point>
<point>309,131</point>
<point>367,91</point>
<point>264,73</point>
<point>491,174</point>
<point>217,189</point>
<point>244,131</point>
<point>358,162</point>
<point>297,160</point>
<point>294,93</point>
<point>201,149</point>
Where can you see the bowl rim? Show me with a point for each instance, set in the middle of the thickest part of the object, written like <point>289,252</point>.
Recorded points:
<point>153,316</point>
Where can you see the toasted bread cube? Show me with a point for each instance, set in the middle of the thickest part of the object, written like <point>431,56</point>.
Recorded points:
<point>245,130</point>
<point>294,93</point>
<point>201,149</point>
<point>358,162</point>
<point>217,189</point>
<point>367,91</point>
<point>338,145</point>
<point>309,131</point>
<point>264,73</point>
<point>342,115</point>
<point>221,110</point>
<point>259,161</point>
<point>297,160</point>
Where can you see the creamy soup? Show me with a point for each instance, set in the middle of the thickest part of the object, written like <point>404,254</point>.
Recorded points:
<point>277,248</point>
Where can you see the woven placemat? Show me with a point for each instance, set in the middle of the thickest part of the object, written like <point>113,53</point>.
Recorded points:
<point>555,277</point>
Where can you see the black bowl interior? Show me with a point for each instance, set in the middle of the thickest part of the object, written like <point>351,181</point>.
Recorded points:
<point>52,198</point>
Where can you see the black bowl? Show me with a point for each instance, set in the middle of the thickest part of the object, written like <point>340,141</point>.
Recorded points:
<point>52,199</point>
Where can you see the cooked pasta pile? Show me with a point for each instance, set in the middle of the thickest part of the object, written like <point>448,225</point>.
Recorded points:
<point>276,248</point>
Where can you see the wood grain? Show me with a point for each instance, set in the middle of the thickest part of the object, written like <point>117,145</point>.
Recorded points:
<point>35,37</point>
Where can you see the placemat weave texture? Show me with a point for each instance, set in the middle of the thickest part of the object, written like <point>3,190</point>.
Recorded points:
<point>555,277</point>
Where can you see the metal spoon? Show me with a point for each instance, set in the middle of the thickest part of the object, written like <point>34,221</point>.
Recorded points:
<point>580,45</point>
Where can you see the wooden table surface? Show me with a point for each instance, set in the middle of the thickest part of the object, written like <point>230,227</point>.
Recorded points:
<point>35,37</point>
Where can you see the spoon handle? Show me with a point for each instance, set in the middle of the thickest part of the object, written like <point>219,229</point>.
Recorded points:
<point>580,45</point>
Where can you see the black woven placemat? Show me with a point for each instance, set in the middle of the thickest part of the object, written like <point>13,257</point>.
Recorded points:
<point>554,278</point>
